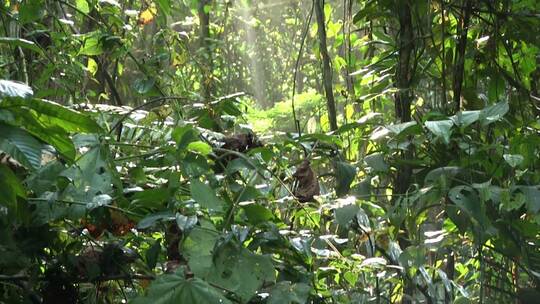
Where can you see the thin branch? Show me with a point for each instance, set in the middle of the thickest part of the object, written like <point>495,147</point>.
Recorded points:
<point>296,66</point>
<point>151,102</point>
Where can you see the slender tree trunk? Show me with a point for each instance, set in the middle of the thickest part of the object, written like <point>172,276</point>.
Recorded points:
<point>205,44</point>
<point>327,69</point>
<point>403,99</point>
<point>459,64</point>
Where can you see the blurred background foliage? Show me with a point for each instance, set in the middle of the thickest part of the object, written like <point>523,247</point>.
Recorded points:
<point>236,151</point>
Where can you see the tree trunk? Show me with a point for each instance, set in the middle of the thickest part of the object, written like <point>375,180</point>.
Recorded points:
<point>459,65</point>
<point>403,99</point>
<point>327,69</point>
<point>205,44</point>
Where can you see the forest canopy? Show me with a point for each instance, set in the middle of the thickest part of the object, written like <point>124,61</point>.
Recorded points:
<point>240,151</point>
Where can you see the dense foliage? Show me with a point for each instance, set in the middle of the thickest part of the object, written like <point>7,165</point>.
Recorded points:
<point>238,151</point>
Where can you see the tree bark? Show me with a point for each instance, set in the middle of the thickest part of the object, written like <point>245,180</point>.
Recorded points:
<point>403,99</point>
<point>459,65</point>
<point>205,44</point>
<point>327,69</point>
<point>403,76</point>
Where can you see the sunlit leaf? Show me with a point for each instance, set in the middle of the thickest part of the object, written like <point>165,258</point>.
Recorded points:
<point>441,129</point>
<point>200,147</point>
<point>205,196</point>
<point>20,145</point>
<point>10,88</point>
<point>513,160</point>
<point>175,288</point>
<point>19,42</point>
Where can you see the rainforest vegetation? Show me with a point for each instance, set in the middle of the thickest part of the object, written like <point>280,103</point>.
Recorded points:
<point>269,151</point>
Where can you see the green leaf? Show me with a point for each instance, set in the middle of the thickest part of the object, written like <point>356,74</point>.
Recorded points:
<point>90,176</point>
<point>144,85</point>
<point>10,188</point>
<point>240,271</point>
<point>445,172</point>
<point>344,215</point>
<point>441,129</point>
<point>175,288</point>
<point>200,147</point>
<point>39,126</point>
<point>20,145</point>
<point>151,198</point>
<point>184,135</point>
<point>532,197</point>
<point>186,223</point>
<point>31,11</point>
<point>164,6</point>
<point>205,196</point>
<point>99,201</point>
<point>153,218</point>
<point>45,178</point>
<point>198,248</point>
<point>513,160</point>
<point>83,6</point>
<point>467,200</point>
<point>19,42</point>
<point>256,213</point>
<point>345,174</point>
<point>376,162</point>
<point>465,118</point>
<point>152,254</point>
<point>91,44</point>
<point>10,88</point>
<point>494,113</point>
<point>399,128</point>
<point>285,292</point>
<point>55,115</point>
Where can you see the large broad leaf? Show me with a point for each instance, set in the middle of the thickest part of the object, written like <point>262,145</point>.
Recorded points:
<point>55,136</point>
<point>400,128</point>
<point>199,147</point>
<point>151,198</point>
<point>494,113</point>
<point>287,293</point>
<point>20,145</point>
<point>532,197</point>
<point>441,129</point>
<point>256,213</point>
<point>10,188</point>
<point>19,42</point>
<point>154,218</point>
<point>240,271</point>
<point>45,178</point>
<point>467,199</point>
<point>10,88</point>
<point>345,214</point>
<point>175,288</point>
<point>443,172</point>
<point>345,174</point>
<point>92,44</point>
<point>376,162</point>
<point>205,196</point>
<point>465,118</point>
<point>513,160</point>
<point>90,177</point>
<point>53,114</point>
<point>83,6</point>
<point>31,11</point>
<point>198,248</point>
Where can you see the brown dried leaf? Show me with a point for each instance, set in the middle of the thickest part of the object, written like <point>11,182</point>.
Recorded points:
<point>308,185</point>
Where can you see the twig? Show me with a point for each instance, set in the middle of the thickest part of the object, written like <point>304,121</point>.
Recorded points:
<point>85,204</point>
<point>153,101</point>
<point>302,42</point>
